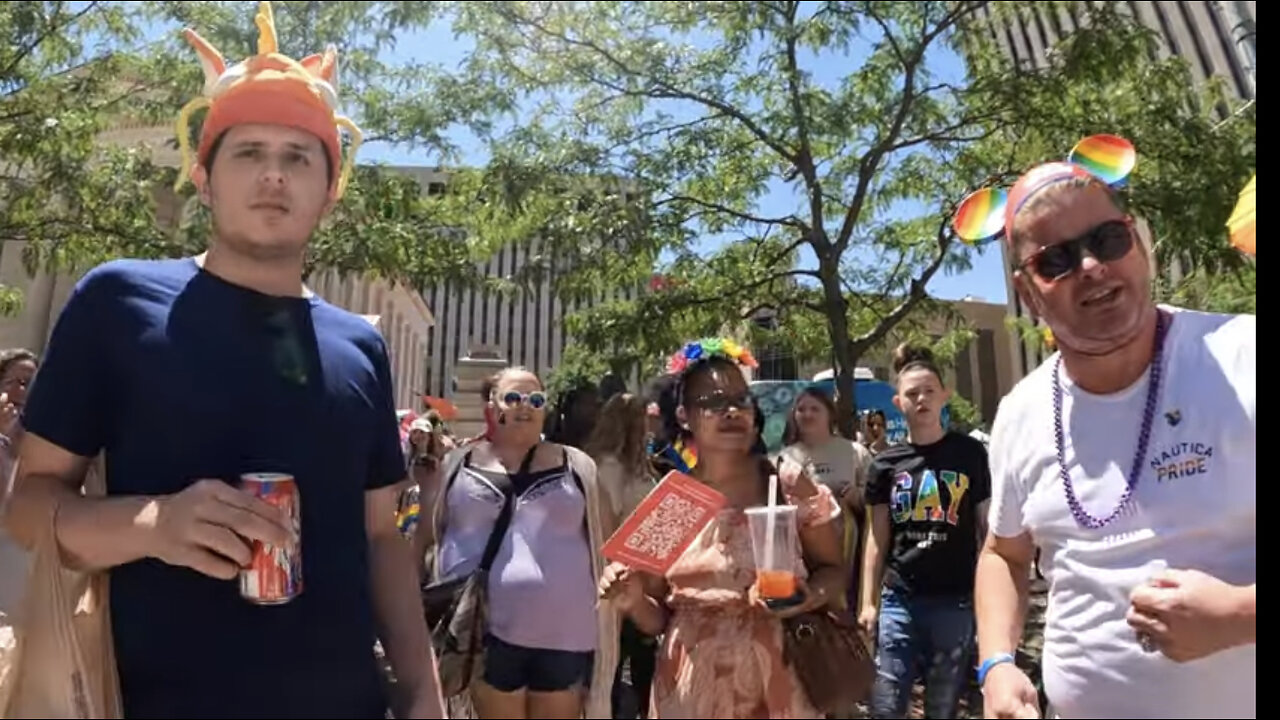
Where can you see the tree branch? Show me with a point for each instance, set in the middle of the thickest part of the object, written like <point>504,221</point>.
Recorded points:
<point>887,32</point>
<point>795,245</point>
<point>889,281</point>
<point>657,89</point>
<point>870,164</point>
<point>804,157</point>
<point>788,221</point>
<point>747,287</point>
<point>55,26</point>
<point>915,294</point>
<point>947,134</point>
<point>664,130</point>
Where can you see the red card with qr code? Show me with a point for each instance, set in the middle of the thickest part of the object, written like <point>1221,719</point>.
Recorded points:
<point>664,524</point>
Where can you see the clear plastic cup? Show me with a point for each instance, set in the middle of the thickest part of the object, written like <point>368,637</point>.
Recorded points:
<point>773,543</point>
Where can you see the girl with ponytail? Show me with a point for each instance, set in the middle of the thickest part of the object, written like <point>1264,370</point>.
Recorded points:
<point>927,500</point>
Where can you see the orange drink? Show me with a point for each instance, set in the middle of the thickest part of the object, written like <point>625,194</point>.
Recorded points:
<point>776,584</point>
<point>775,545</point>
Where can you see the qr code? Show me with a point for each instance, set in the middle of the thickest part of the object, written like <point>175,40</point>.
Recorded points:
<point>665,528</point>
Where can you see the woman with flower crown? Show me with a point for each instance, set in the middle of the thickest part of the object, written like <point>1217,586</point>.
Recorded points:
<point>722,650</point>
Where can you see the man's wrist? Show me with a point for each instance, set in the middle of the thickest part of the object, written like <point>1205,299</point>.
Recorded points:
<point>96,533</point>
<point>142,534</point>
<point>992,662</point>
<point>1245,614</point>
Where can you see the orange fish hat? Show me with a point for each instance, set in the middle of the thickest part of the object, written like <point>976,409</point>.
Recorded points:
<point>270,89</point>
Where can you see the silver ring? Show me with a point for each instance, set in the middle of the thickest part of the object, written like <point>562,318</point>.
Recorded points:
<point>1147,643</point>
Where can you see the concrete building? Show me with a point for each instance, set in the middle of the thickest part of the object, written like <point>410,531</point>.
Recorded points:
<point>1217,39</point>
<point>525,329</point>
<point>983,372</point>
<point>402,316</point>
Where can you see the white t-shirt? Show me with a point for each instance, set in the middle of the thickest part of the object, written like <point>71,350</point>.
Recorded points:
<point>1194,508</point>
<point>839,463</point>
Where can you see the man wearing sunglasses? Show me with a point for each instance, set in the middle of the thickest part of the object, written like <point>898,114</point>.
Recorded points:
<point>1128,460</point>
<point>188,373</point>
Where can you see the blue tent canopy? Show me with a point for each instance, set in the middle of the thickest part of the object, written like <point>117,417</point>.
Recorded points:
<point>777,396</point>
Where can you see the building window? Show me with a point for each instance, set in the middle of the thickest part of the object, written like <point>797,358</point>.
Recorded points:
<point>964,374</point>
<point>777,366</point>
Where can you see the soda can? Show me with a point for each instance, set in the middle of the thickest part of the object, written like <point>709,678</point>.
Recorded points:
<point>274,575</point>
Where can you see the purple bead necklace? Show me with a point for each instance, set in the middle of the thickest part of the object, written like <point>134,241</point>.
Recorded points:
<point>1144,435</point>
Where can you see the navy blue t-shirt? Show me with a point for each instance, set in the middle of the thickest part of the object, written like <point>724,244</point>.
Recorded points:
<point>179,375</point>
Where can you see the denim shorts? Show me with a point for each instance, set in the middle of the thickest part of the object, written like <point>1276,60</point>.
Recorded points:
<point>508,668</point>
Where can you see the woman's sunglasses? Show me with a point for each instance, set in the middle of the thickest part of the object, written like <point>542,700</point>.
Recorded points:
<point>1107,242</point>
<point>536,400</point>
<point>721,403</point>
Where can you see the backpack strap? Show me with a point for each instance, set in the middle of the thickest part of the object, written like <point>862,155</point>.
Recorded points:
<point>506,484</point>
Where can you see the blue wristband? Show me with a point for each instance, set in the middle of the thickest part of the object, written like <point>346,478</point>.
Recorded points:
<point>990,663</point>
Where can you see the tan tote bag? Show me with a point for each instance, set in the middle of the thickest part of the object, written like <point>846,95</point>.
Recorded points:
<point>62,663</point>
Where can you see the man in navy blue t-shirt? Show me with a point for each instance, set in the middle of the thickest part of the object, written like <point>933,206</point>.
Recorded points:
<point>188,373</point>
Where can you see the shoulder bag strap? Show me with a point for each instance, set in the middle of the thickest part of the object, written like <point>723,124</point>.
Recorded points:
<point>499,532</point>
<point>451,473</point>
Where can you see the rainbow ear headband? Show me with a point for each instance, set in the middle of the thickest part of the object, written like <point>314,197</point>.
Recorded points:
<point>267,87</point>
<point>987,214</point>
<point>708,348</point>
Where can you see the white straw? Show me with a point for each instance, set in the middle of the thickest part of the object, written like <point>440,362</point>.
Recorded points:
<point>771,521</point>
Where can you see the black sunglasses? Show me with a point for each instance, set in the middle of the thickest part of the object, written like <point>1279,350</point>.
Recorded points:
<point>720,403</point>
<point>1107,242</point>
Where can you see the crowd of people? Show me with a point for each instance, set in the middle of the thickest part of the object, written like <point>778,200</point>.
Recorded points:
<point>1127,463</point>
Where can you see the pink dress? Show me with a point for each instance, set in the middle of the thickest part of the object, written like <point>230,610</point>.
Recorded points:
<point>721,657</point>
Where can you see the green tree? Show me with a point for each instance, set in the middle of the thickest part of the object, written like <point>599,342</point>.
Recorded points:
<point>74,72</point>
<point>706,108</point>
<point>53,104</point>
<point>714,110</point>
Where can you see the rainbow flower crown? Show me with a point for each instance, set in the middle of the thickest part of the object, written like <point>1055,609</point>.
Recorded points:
<point>987,214</point>
<point>708,348</point>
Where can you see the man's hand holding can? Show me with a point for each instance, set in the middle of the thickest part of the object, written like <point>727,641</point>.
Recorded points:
<point>209,526</point>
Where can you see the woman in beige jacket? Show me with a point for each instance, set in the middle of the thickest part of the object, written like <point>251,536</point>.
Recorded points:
<point>550,648</point>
